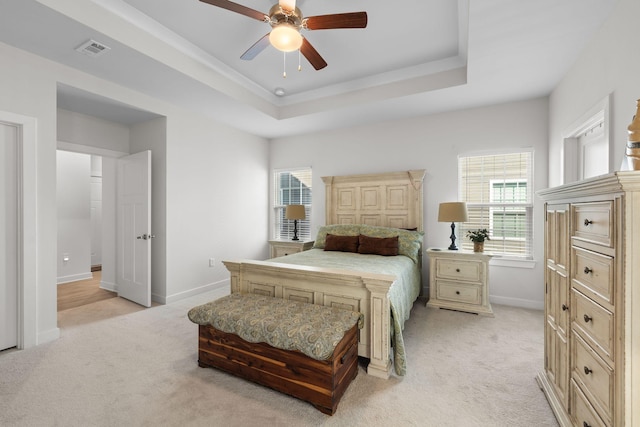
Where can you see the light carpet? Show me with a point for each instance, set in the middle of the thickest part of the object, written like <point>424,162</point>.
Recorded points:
<point>119,365</point>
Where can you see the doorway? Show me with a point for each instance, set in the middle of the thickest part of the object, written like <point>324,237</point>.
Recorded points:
<point>79,196</point>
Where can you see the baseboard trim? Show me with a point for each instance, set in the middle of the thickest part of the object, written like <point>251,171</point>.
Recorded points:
<point>191,292</point>
<point>517,302</point>
<point>48,336</point>
<point>74,278</point>
<point>108,286</point>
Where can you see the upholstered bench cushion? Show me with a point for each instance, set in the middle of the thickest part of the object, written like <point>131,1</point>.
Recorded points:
<point>312,329</point>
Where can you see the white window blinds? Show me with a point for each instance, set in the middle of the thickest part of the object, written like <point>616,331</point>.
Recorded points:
<point>291,187</point>
<point>498,190</point>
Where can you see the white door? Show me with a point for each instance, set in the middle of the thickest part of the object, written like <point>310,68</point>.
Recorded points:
<point>133,239</point>
<point>8,236</point>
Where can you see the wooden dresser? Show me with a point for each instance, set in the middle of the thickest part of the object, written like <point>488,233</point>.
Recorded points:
<point>591,373</point>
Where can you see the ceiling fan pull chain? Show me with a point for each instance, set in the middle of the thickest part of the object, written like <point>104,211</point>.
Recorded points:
<point>299,64</point>
<point>284,65</point>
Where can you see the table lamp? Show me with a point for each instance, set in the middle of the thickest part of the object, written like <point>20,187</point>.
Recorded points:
<point>295,212</point>
<point>453,212</point>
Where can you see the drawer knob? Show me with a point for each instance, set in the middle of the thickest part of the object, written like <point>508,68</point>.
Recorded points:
<point>457,270</point>
<point>587,371</point>
<point>457,292</point>
<point>587,222</point>
<point>588,270</point>
<point>585,424</point>
<point>564,307</point>
<point>587,318</point>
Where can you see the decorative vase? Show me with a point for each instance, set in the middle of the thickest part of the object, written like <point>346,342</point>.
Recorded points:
<point>633,144</point>
<point>478,246</point>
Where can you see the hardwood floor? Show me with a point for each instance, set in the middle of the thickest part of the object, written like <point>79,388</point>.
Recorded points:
<point>82,292</point>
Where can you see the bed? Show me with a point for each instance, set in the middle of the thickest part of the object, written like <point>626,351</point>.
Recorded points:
<point>382,288</point>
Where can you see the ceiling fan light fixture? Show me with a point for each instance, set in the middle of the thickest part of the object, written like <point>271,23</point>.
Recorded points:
<point>288,5</point>
<point>285,38</point>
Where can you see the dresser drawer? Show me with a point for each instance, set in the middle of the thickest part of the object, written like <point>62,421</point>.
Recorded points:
<point>593,272</point>
<point>593,222</point>
<point>583,413</point>
<point>450,291</point>
<point>454,269</point>
<point>594,321</point>
<point>590,370</point>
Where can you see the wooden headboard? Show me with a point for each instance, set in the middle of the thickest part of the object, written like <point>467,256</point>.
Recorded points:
<point>386,199</point>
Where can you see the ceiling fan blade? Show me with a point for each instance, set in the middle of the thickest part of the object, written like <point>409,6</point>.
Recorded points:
<point>238,8</point>
<point>338,20</point>
<point>312,55</point>
<point>257,47</point>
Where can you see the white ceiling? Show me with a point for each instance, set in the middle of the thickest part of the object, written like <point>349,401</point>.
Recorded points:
<point>415,57</point>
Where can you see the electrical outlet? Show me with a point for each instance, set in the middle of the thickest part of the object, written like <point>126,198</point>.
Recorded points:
<point>212,262</point>
<point>65,257</point>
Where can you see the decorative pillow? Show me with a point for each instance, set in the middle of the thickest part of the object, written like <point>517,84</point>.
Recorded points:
<point>341,243</point>
<point>337,230</point>
<point>409,242</point>
<point>387,246</point>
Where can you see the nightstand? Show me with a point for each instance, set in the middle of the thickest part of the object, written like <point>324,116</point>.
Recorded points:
<point>459,280</point>
<point>287,247</point>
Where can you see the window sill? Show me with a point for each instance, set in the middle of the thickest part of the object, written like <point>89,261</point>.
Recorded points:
<point>512,262</point>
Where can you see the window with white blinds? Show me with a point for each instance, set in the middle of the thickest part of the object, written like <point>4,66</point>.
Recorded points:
<point>291,187</point>
<point>498,190</point>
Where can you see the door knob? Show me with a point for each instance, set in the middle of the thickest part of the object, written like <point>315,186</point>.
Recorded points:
<point>146,236</point>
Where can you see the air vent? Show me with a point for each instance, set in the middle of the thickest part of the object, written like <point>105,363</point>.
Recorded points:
<point>92,48</point>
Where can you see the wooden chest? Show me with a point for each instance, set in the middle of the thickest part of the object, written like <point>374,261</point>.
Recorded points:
<point>319,382</point>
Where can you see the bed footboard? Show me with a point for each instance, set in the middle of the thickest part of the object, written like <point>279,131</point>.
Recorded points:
<point>357,291</point>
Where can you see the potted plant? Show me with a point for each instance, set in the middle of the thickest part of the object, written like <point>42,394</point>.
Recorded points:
<point>478,237</point>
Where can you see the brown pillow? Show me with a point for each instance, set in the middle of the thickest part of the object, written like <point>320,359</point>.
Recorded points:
<point>387,246</point>
<point>341,243</point>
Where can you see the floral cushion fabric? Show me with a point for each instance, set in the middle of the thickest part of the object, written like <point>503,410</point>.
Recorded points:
<point>312,329</point>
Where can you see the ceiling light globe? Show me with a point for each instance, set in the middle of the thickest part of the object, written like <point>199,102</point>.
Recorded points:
<point>285,38</point>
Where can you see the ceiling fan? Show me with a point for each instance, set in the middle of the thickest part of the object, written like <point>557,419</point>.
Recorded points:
<point>286,22</point>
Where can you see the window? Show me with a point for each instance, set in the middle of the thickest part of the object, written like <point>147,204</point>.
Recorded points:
<point>291,187</point>
<point>498,190</point>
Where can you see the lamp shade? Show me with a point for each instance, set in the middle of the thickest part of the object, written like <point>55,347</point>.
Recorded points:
<point>295,212</point>
<point>285,38</point>
<point>452,212</point>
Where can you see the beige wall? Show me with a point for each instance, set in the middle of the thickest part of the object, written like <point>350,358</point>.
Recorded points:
<point>207,165</point>
<point>610,65</point>
<point>433,143</point>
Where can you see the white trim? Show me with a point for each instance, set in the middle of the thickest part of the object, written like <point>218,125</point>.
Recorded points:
<point>74,278</point>
<point>601,111</point>
<point>47,336</point>
<point>27,231</point>
<point>512,262</point>
<point>498,152</point>
<point>517,302</point>
<point>88,149</point>
<point>109,286</point>
<point>192,292</point>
